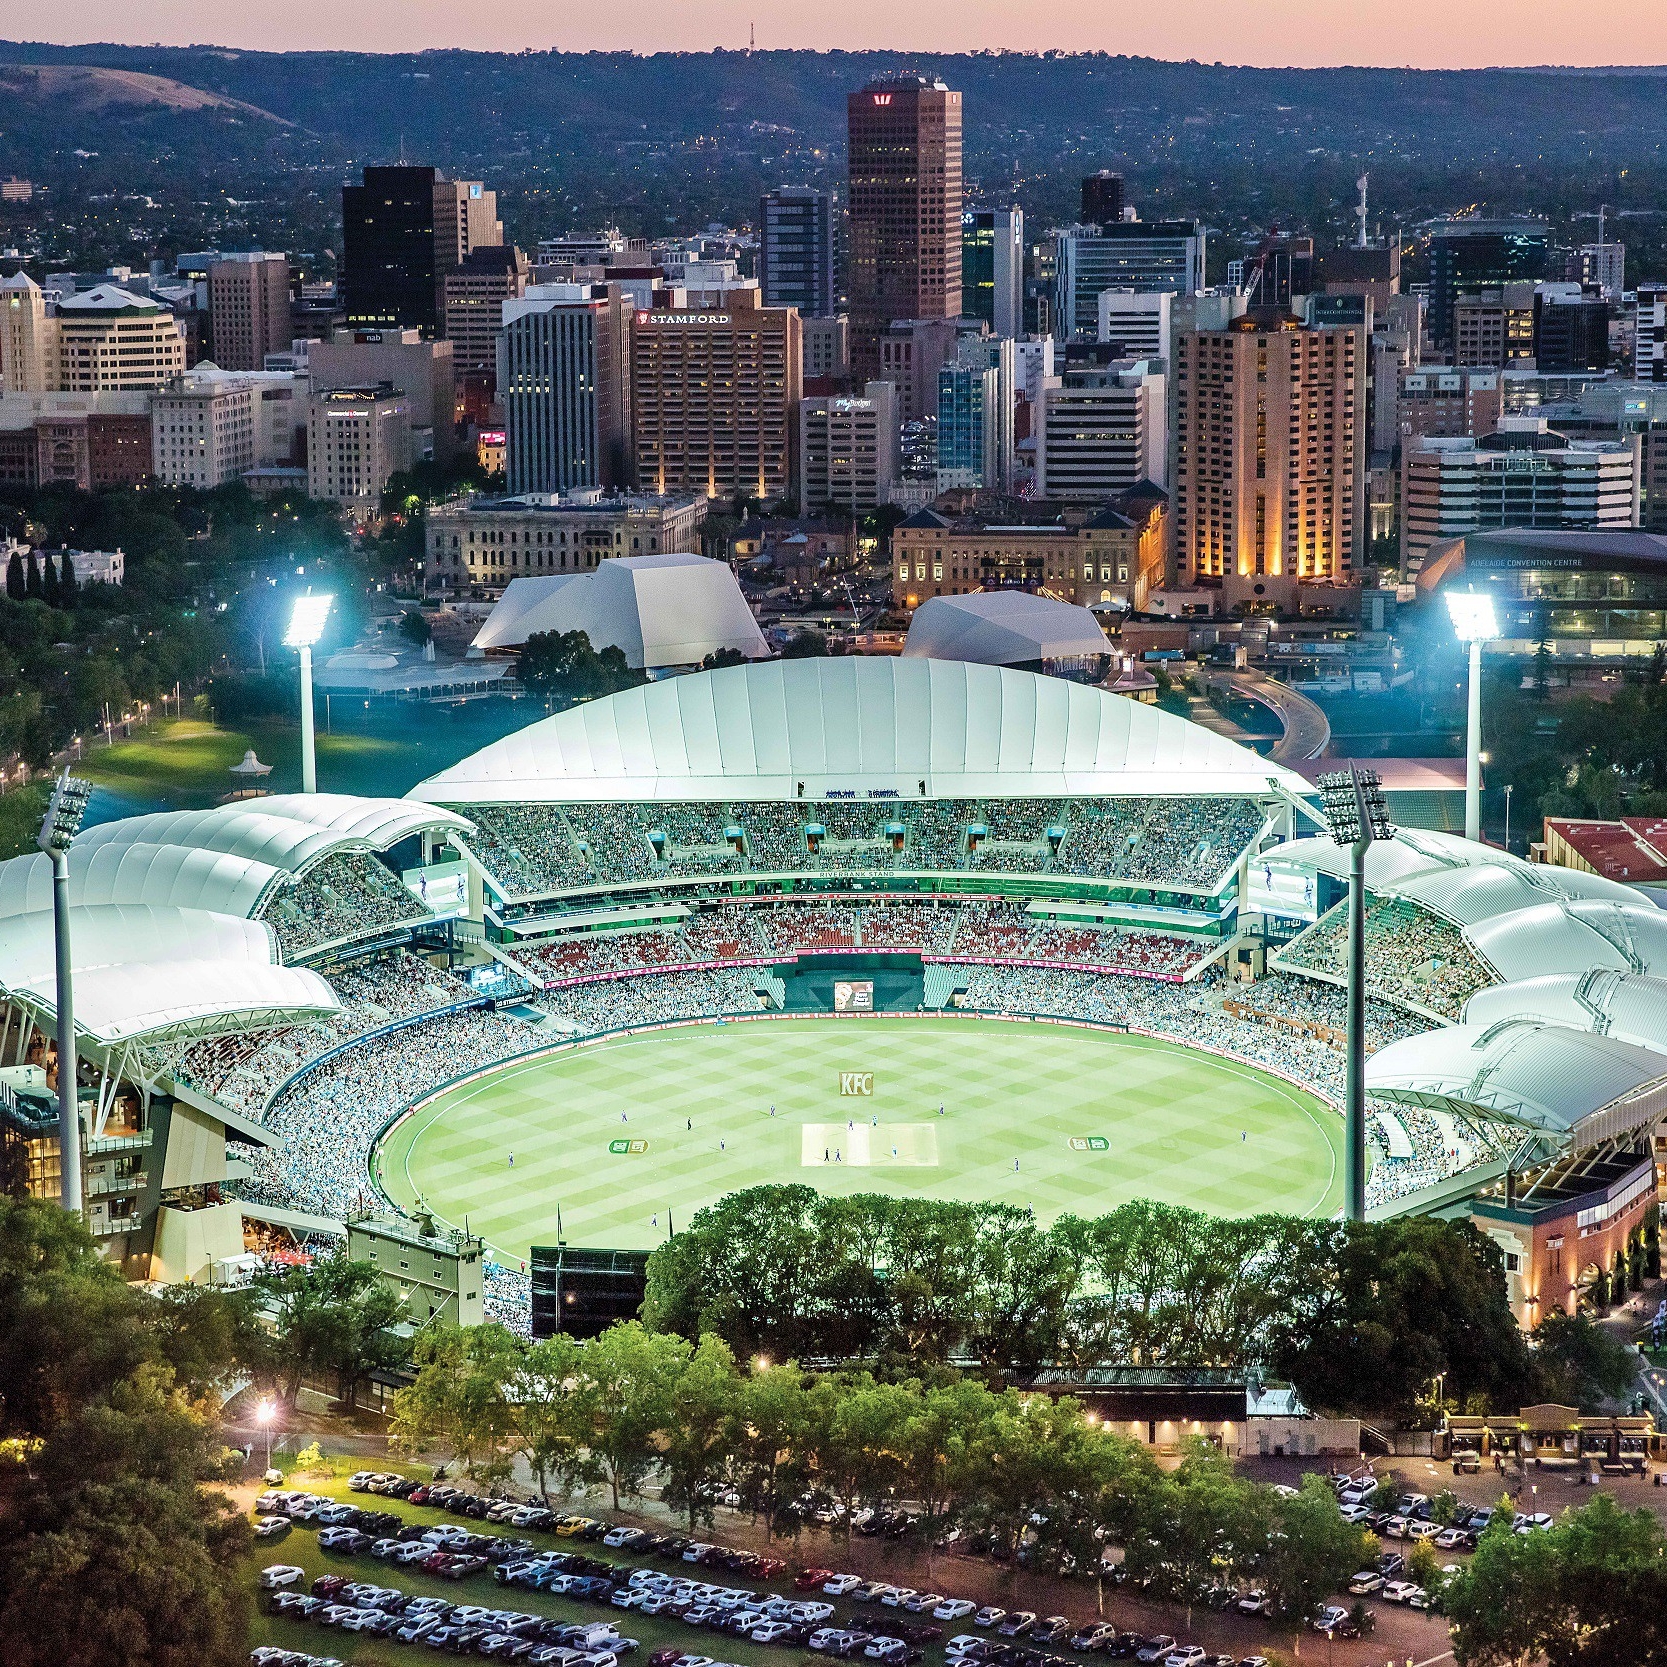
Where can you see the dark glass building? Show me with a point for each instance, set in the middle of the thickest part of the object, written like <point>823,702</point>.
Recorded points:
<point>388,250</point>
<point>1475,254</point>
<point>796,251</point>
<point>1102,198</point>
<point>1571,333</point>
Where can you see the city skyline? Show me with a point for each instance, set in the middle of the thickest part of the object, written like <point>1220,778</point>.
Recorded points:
<point>1284,34</point>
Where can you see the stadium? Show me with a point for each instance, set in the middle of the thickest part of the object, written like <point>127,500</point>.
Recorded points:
<point>911,925</point>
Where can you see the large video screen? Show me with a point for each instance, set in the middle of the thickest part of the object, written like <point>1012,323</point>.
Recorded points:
<point>442,888</point>
<point>853,995</point>
<point>1281,888</point>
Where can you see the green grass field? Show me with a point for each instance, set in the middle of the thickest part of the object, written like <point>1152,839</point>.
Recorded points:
<point>1151,1119</point>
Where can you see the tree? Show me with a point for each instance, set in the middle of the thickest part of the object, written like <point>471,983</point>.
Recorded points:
<point>69,587</point>
<point>336,1318</point>
<point>549,1419</point>
<point>32,586</point>
<point>1580,1363</point>
<point>625,1395</point>
<point>1311,1550</point>
<point>805,644</point>
<point>564,664</point>
<point>719,658</point>
<point>699,1434</point>
<point>414,627</point>
<point>461,1398</point>
<point>1590,1591</point>
<point>49,580</point>
<point>769,1438</point>
<point>15,582</point>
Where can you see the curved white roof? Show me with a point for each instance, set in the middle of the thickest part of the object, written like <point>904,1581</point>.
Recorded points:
<point>1003,628</point>
<point>669,609</point>
<point>160,874</point>
<point>112,934</point>
<point>1562,1082</point>
<point>286,830</point>
<point>865,726</point>
<point>1626,1005</point>
<point>124,1003</point>
<point>1471,895</point>
<point>1391,861</point>
<point>1573,938</point>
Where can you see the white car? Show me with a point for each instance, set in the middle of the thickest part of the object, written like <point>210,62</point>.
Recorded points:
<point>1396,1528</point>
<point>360,1480</point>
<point>1526,1524</point>
<point>1255,1602</point>
<point>1355,1513</point>
<point>271,1528</point>
<point>1188,1655</point>
<point>897,1596</point>
<point>988,1615</point>
<point>1398,1591</point>
<point>276,1576</point>
<point>767,1632</point>
<point>841,1584</point>
<point>415,1551</point>
<point>952,1609</point>
<point>964,1641</point>
<point>1365,1583</point>
<point>807,1614</point>
<point>616,1537</point>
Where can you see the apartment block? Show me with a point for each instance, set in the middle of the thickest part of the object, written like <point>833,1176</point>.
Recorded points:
<point>248,308</point>
<point>203,431</point>
<point>472,308</point>
<point>112,341</point>
<point>1102,429</point>
<point>848,450</point>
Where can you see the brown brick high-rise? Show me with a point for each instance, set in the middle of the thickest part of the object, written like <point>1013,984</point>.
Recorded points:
<point>905,210</point>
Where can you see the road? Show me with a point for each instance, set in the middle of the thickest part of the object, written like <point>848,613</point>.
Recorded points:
<point>1307,729</point>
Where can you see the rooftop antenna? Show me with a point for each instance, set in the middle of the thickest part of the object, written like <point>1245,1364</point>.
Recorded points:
<point>752,38</point>
<point>1360,212</point>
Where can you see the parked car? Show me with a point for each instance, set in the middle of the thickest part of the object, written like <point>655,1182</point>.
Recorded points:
<point>989,1615</point>
<point>1255,1602</point>
<point>1155,1649</point>
<point>277,1576</point>
<point>1398,1591</point>
<point>954,1609</point>
<point>271,1527</point>
<point>1365,1583</point>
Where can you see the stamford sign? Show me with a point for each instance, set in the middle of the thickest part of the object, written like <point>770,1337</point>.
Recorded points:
<point>682,318</point>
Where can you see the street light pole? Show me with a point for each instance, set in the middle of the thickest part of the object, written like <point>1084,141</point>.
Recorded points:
<point>59,827</point>
<point>1508,786</point>
<point>1357,816</point>
<point>1474,623</point>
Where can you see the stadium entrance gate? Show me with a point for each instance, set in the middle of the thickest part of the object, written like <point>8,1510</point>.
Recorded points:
<point>853,984</point>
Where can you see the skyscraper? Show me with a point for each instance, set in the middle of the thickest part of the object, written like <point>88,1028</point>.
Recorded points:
<point>992,267</point>
<point>403,230</point>
<point>1469,254</point>
<point>1141,255</point>
<point>1102,198</point>
<point>564,383</point>
<point>796,250</point>
<point>248,307</point>
<point>1269,457</point>
<point>905,209</point>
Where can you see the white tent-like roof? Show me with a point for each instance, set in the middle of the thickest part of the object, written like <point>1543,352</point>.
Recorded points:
<point>1471,895</point>
<point>1390,861</point>
<point>1003,628</point>
<point>1573,938</point>
<point>1626,1005</point>
<point>1561,1082</point>
<point>869,727</point>
<point>141,873</point>
<point>111,934</point>
<point>671,609</point>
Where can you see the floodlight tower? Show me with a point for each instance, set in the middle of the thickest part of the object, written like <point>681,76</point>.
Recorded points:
<point>59,827</point>
<point>1357,816</point>
<point>1474,623</point>
<point>306,626</point>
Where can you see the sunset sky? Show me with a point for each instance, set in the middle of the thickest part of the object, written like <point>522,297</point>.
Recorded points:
<point>1450,34</point>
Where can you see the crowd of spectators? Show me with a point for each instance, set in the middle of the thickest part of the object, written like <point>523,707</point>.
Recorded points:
<point>726,933</point>
<point>348,894</point>
<point>507,1296</point>
<point>536,849</point>
<point>329,1119</point>
<point>242,1071</point>
<point>1412,956</point>
<point>655,998</point>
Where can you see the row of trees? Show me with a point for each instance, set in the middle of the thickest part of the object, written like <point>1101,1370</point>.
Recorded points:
<point>1043,1479</point>
<point>38,578</point>
<point>1359,1317</point>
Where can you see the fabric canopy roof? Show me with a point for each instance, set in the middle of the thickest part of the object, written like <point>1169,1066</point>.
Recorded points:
<point>1003,628</point>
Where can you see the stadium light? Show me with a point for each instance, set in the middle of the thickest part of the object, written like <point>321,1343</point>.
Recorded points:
<point>306,626</point>
<point>1475,621</point>
<point>1357,816</point>
<point>60,825</point>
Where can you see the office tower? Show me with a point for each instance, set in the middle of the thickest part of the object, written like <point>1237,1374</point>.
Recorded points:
<point>465,219</point>
<point>1601,265</point>
<point>357,439</point>
<point>1138,325</point>
<point>28,338</point>
<point>473,298</point>
<point>1649,346</point>
<point>904,205</point>
<point>1102,429</point>
<point>1102,198</point>
<point>975,416</point>
<point>388,249</point>
<point>1280,268</point>
<point>1524,474</point>
<point>993,268</point>
<point>848,450</point>
<point>110,340</point>
<point>203,431</point>
<point>421,370</point>
<point>564,382</point>
<point>1473,254</point>
<point>1493,328</point>
<point>1142,255</point>
<point>248,308</point>
<point>796,251</point>
<point>714,400</point>
<point>827,346</point>
<point>1269,457</point>
<point>1445,402</point>
<point>1571,330</point>
<point>912,352</point>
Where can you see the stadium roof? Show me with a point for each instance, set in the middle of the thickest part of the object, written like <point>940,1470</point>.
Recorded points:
<point>1411,851</point>
<point>1472,895</point>
<point>1626,1005</point>
<point>671,609</point>
<point>1561,1082</point>
<point>866,727</point>
<point>1572,938</point>
<point>143,873</point>
<point>1003,628</point>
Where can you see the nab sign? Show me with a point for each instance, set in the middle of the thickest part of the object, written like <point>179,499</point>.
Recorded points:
<point>860,1083</point>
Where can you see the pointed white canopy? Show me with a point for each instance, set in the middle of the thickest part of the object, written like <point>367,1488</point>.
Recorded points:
<point>862,727</point>
<point>1003,628</point>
